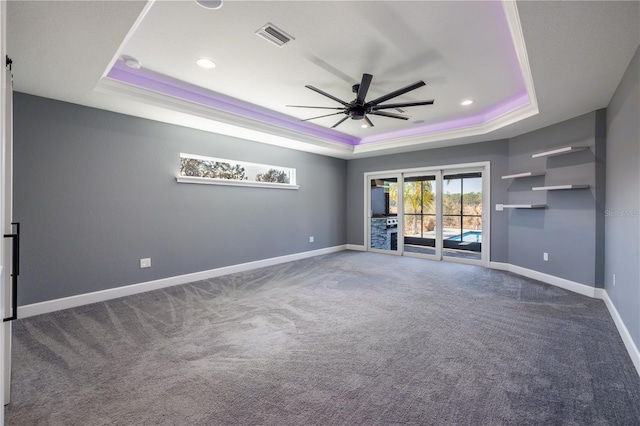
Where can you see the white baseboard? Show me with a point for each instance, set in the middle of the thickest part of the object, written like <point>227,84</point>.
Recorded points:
<point>499,265</point>
<point>356,247</point>
<point>553,280</point>
<point>632,349</point>
<point>600,293</point>
<point>113,293</point>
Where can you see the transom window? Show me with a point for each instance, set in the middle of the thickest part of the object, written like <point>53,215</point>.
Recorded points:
<point>221,169</point>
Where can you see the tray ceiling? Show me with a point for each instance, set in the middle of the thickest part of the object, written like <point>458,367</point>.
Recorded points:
<point>494,53</point>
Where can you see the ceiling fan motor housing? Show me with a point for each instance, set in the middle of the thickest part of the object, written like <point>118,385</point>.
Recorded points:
<point>357,112</point>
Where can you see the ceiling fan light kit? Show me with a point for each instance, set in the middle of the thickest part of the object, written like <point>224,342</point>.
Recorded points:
<point>358,108</point>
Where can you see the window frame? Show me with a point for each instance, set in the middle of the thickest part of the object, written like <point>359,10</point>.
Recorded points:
<point>291,173</point>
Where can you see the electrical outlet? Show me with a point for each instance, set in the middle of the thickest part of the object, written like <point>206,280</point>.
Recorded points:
<point>545,256</point>
<point>311,239</point>
<point>145,263</point>
<point>614,280</point>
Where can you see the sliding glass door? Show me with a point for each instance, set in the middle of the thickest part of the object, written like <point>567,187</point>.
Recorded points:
<point>438,214</point>
<point>383,207</point>
<point>462,215</point>
<point>420,213</point>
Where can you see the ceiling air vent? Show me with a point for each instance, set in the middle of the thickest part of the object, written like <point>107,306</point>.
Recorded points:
<point>275,35</point>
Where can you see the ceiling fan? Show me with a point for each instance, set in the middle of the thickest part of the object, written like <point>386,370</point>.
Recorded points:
<point>358,108</point>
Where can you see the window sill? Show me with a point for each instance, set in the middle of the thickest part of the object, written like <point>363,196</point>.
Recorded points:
<point>228,182</point>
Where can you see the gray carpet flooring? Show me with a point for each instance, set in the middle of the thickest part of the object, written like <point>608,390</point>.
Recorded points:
<point>343,339</point>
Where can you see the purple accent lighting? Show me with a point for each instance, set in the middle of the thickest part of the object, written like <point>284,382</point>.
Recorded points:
<point>162,84</point>
<point>177,89</point>
<point>458,123</point>
<point>159,83</point>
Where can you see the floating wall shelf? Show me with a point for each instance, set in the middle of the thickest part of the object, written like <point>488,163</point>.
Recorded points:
<point>560,151</point>
<point>524,206</point>
<point>523,175</point>
<point>558,187</point>
<point>550,153</point>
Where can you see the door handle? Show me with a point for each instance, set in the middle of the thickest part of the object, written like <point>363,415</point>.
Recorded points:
<point>15,271</point>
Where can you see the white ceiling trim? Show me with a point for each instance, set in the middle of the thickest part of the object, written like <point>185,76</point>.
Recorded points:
<point>513,20</point>
<point>225,123</point>
<point>233,124</point>
<point>426,140</point>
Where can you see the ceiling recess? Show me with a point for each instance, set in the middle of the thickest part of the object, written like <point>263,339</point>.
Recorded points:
<point>275,35</point>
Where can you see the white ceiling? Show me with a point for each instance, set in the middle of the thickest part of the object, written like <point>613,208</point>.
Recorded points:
<point>568,57</point>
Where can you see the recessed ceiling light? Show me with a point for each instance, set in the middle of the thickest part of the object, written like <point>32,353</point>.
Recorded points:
<point>466,102</point>
<point>206,63</point>
<point>364,125</point>
<point>210,4</point>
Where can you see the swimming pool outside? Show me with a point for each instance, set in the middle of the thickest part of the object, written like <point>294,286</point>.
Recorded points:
<point>468,237</point>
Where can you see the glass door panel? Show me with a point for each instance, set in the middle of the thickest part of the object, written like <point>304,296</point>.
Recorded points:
<point>384,202</point>
<point>430,213</point>
<point>462,215</point>
<point>420,206</point>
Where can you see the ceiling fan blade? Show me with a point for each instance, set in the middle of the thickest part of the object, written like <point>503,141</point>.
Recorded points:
<point>339,122</point>
<point>366,120</point>
<point>364,88</point>
<point>400,105</point>
<point>313,118</point>
<point>306,106</point>
<point>395,93</point>
<point>389,114</point>
<point>326,94</point>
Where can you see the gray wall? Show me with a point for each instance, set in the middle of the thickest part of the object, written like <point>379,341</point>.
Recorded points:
<point>95,191</point>
<point>568,227</point>
<point>570,230</point>
<point>622,237</point>
<point>496,152</point>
